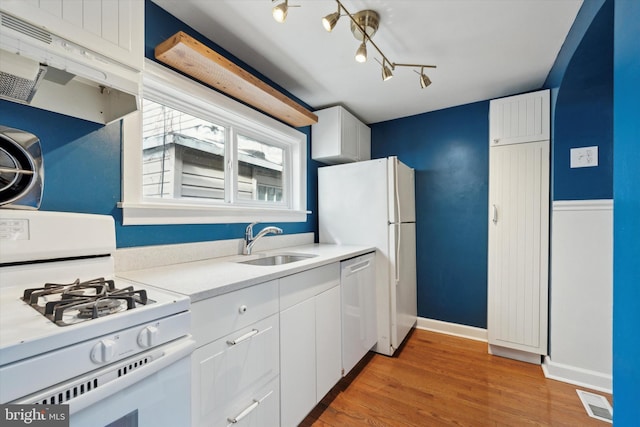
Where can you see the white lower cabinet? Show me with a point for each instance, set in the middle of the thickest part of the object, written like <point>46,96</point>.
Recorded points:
<point>310,340</point>
<point>267,354</point>
<point>235,378</point>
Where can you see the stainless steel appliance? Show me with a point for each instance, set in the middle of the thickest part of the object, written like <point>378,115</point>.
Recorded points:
<point>21,169</point>
<point>373,203</point>
<point>73,333</point>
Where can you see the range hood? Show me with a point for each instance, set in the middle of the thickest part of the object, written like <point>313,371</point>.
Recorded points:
<point>40,69</point>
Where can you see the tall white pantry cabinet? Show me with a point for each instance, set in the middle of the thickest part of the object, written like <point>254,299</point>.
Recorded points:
<point>518,261</point>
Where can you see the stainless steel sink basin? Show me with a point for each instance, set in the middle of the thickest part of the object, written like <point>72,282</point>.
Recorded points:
<point>278,259</point>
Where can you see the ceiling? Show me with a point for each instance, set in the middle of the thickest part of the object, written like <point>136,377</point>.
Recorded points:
<point>483,49</point>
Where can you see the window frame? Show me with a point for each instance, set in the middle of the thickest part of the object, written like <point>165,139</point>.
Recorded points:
<point>180,92</point>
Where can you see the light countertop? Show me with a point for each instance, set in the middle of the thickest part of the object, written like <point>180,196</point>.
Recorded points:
<point>211,277</point>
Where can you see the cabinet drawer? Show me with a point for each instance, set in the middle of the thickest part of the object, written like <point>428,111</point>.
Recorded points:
<point>232,368</point>
<point>260,408</point>
<point>221,315</point>
<point>301,286</point>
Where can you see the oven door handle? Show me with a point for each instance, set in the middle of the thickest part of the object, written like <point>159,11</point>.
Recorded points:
<point>172,352</point>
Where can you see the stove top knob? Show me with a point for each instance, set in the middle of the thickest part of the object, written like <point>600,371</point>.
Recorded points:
<point>103,351</point>
<point>148,336</point>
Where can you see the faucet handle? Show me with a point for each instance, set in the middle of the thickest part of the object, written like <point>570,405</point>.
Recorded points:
<point>248,233</point>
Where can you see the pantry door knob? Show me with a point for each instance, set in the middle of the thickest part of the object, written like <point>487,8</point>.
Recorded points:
<point>148,336</point>
<point>103,351</point>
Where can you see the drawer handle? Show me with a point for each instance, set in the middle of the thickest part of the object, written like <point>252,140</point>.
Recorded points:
<point>243,337</point>
<point>248,409</point>
<point>244,413</point>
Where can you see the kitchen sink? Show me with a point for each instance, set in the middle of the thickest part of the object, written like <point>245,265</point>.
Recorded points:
<point>277,259</point>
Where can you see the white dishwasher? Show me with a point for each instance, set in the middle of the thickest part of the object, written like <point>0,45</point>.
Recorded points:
<point>359,330</point>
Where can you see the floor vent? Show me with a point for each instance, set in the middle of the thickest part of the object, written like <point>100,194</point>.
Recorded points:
<point>596,406</point>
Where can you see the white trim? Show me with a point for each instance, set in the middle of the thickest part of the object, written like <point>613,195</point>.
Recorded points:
<point>583,205</point>
<point>140,211</point>
<point>174,213</point>
<point>455,329</point>
<point>577,376</point>
<point>512,353</point>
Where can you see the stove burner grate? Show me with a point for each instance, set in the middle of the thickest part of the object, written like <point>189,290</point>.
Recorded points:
<point>66,304</point>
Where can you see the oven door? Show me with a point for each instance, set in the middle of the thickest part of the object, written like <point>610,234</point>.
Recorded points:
<point>161,398</point>
<point>144,391</point>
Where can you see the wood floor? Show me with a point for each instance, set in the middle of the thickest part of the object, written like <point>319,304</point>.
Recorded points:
<point>441,380</point>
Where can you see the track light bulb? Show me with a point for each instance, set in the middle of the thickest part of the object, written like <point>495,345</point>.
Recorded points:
<point>280,11</point>
<point>386,71</point>
<point>361,53</point>
<point>330,21</point>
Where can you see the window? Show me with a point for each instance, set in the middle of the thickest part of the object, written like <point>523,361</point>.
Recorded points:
<point>193,155</point>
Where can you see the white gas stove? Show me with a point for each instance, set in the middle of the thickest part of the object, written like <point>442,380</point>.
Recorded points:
<point>62,306</point>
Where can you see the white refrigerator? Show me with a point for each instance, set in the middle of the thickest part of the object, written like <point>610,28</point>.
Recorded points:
<point>373,203</point>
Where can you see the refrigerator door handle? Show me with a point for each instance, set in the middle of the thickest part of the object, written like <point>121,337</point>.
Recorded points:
<point>397,260</point>
<point>397,192</point>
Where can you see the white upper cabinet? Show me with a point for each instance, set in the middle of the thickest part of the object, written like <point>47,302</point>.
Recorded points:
<point>518,119</point>
<point>113,28</point>
<point>339,137</point>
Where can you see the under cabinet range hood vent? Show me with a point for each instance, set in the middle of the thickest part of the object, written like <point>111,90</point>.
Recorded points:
<point>40,69</point>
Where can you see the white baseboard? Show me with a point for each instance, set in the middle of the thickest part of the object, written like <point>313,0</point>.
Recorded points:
<point>510,353</point>
<point>577,376</point>
<point>456,329</point>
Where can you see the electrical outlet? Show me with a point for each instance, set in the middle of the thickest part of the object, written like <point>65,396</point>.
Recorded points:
<point>584,157</point>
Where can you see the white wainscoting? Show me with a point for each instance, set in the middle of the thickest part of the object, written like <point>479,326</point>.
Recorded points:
<point>581,294</point>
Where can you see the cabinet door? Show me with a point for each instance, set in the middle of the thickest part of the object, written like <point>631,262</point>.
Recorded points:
<point>112,28</point>
<point>339,137</point>
<point>364,142</point>
<point>519,119</point>
<point>297,362</point>
<point>349,142</point>
<point>518,246</point>
<point>328,341</point>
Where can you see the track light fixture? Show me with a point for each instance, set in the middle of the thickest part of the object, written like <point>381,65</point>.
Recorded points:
<point>386,71</point>
<point>330,21</point>
<point>280,11</point>
<point>424,80</point>
<point>361,53</point>
<point>364,25</point>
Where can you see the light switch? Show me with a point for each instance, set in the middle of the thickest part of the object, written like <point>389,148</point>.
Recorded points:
<point>584,157</point>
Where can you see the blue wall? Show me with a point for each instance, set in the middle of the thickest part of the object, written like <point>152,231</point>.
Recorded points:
<point>450,152</point>
<point>583,114</point>
<point>83,159</point>
<point>626,216</point>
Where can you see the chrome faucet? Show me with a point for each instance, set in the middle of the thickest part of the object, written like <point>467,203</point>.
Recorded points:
<point>250,239</point>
